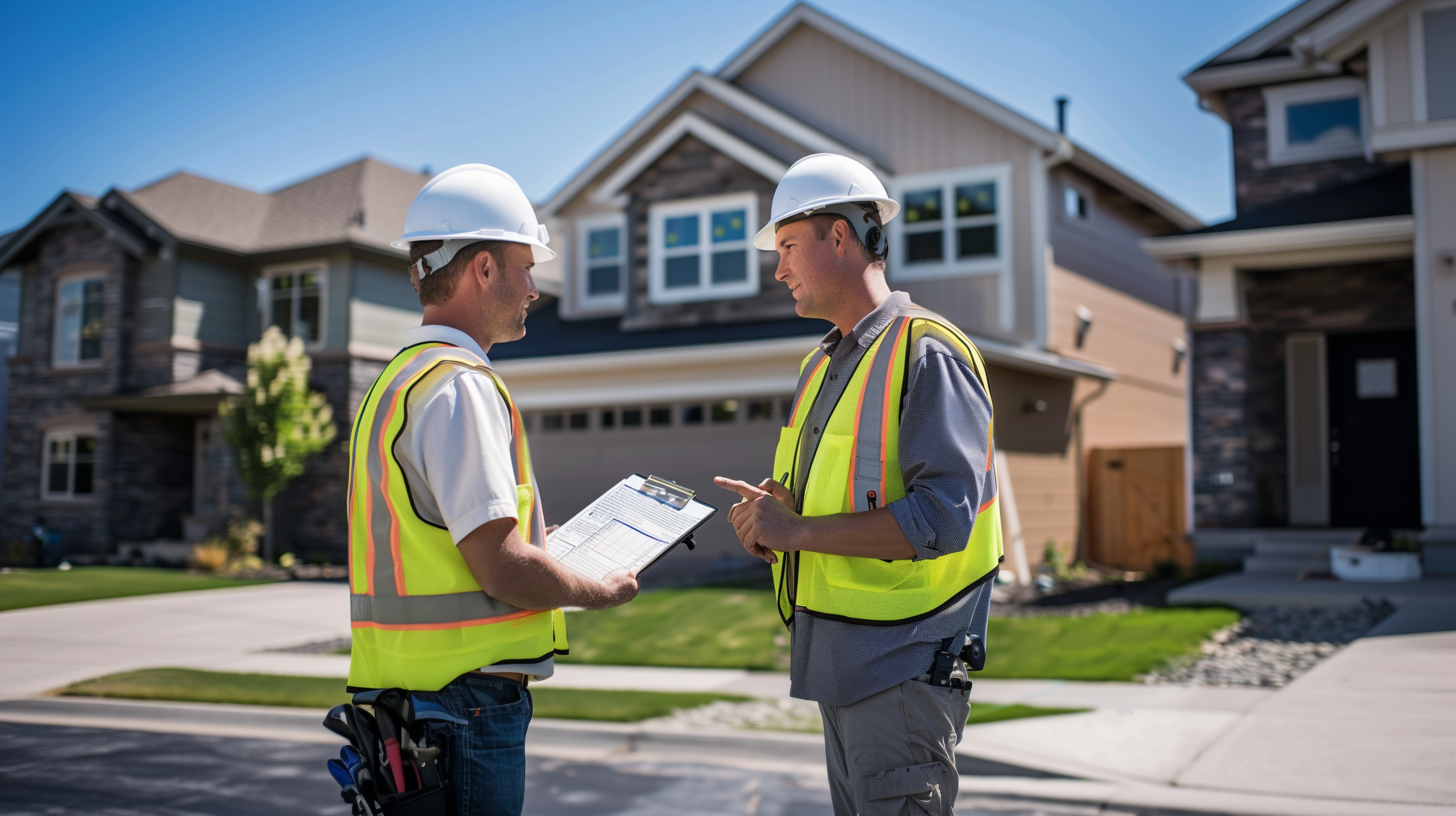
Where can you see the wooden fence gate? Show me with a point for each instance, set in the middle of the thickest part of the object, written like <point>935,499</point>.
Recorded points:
<point>1135,508</point>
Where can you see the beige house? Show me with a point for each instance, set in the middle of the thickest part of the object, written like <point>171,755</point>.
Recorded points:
<point>670,348</point>
<point>1327,309</point>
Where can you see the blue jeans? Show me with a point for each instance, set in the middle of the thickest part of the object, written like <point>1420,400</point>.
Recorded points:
<point>484,743</point>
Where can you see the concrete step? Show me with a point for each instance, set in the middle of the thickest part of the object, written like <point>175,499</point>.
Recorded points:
<point>1268,565</point>
<point>1290,549</point>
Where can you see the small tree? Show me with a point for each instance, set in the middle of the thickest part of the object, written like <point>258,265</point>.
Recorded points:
<point>277,422</point>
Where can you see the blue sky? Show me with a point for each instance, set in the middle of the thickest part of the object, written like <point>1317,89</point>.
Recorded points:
<point>260,94</point>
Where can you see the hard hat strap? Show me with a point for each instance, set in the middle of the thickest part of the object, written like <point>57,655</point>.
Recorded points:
<point>441,257</point>
<point>863,216</point>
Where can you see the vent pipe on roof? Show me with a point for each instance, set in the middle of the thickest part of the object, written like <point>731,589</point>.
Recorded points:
<point>1062,115</point>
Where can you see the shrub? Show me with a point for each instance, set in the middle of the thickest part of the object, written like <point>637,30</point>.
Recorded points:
<point>211,555</point>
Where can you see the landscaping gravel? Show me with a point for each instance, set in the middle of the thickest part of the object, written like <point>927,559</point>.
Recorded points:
<point>1271,647</point>
<point>784,714</point>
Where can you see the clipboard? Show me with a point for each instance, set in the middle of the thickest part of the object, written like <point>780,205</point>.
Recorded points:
<point>621,530</point>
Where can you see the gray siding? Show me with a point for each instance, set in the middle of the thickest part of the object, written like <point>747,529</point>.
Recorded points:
<point>1104,245</point>
<point>907,128</point>
<point>383,306</point>
<point>213,301</point>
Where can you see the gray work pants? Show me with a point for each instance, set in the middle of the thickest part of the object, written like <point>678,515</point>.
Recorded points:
<point>893,753</point>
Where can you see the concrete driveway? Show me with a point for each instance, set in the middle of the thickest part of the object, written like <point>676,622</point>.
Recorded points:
<point>50,646</point>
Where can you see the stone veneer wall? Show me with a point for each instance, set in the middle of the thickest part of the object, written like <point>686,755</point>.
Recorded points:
<point>1256,182</point>
<point>1239,385</point>
<point>40,395</point>
<point>693,169</point>
<point>310,515</point>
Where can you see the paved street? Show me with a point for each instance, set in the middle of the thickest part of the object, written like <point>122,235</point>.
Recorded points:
<point>60,770</point>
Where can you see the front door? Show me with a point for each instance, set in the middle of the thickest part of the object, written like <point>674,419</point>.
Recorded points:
<point>1374,430</point>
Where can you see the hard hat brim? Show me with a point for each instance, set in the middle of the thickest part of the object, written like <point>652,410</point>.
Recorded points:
<point>540,253</point>
<point>889,208</point>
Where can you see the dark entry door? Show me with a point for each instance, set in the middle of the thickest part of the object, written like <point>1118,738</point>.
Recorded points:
<point>1375,467</point>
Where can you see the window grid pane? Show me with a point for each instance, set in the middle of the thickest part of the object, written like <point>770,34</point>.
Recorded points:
<point>922,206</point>
<point>692,415</point>
<point>631,417</point>
<point>730,226</point>
<point>976,242</point>
<point>603,243</point>
<point>975,199</point>
<point>604,280</point>
<point>924,246</point>
<point>68,333</point>
<point>1318,123</point>
<point>660,416</point>
<point>92,309</point>
<point>680,231</point>
<point>682,271</point>
<point>730,267</point>
<point>725,412</point>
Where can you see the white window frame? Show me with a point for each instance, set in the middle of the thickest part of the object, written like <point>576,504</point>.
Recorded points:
<point>69,494</point>
<point>265,299</point>
<point>1070,188</point>
<point>950,266</point>
<point>658,214</point>
<point>56,359</point>
<point>1277,101</point>
<point>584,228</point>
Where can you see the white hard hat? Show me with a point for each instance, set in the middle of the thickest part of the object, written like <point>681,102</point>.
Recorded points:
<point>823,180</point>
<point>470,203</point>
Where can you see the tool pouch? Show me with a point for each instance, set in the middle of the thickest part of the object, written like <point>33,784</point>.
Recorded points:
<point>415,803</point>
<point>395,772</point>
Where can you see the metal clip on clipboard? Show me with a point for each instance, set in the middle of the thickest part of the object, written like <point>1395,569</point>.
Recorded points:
<point>670,493</point>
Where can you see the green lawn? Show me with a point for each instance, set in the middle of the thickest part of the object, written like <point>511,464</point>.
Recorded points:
<point>990,712</point>
<point>192,686</point>
<point>704,628</point>
<point>25,588</point>
<point>739,628</point>
<point>1097,647</point>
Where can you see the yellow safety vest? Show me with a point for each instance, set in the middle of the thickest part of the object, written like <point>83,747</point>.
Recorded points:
<point>855,468</point>
<point>419,617</point>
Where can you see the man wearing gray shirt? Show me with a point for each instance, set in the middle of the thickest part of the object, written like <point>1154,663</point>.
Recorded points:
<point>882,526</point>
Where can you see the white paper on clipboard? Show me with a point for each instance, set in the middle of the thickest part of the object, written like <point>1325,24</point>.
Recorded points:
<point>623,529</point>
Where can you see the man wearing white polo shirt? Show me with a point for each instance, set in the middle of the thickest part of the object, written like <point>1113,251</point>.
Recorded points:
<point>453,595</point>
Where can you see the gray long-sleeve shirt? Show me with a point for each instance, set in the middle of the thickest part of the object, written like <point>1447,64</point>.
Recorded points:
<point>945,421</point>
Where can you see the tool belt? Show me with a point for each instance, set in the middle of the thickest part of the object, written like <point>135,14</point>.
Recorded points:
<point>951,670</point>
<point>387,769</point>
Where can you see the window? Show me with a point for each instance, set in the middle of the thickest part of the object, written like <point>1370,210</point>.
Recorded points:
<point>69,467</point>
<point>760,411</point>
<point>551,423</point>
<point>700,250</point>
<point>659,416</point>
<point>1074,204</point>
<point>9,309</point>
<point>1315,121</point>
<point>953,223</point>
<point>609,419</point>
<point>580,420</point>
<point>692,415</point>
<point>631,417</point>
<point>602,261</point>
<point>295,298</point>
<point>80,307</point>
<point>1438,37</point>
<point>725,412</point>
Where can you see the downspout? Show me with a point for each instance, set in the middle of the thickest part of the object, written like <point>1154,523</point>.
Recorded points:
<point>1074,421</point>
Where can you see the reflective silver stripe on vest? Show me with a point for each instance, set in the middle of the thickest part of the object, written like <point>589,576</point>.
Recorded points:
<point>455,607</point>
<point>804,377</point>
<point>868,474</point>
<point>381,522</point>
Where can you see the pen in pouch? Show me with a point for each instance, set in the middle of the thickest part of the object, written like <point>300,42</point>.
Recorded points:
<point>870,497</point>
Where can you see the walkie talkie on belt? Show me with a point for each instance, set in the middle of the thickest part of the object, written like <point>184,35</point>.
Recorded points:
<point>949,670</point>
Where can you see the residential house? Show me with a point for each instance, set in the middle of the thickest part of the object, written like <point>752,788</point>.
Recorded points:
<point>1323,402</point>
<point>670,348</point>
<point>136,309</point>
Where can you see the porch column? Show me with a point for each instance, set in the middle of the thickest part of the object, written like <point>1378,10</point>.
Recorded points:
<point>1434,193</point>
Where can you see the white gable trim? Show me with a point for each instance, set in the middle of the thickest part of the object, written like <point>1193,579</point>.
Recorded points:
<point>1274,32</point>
<point>1320,40</point>
<point>1006,118</point>
<point>736,98</point>
<point>689,123</point>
